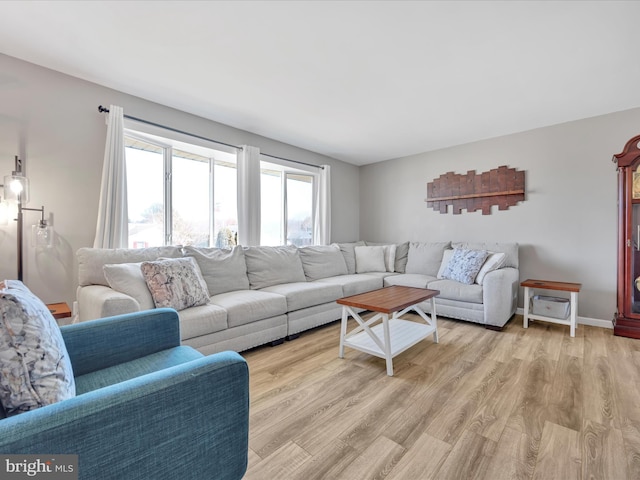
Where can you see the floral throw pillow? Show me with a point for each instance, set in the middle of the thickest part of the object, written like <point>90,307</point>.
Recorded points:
<point>464,265</point>
<point>35,369</point>
<point>175,283</point>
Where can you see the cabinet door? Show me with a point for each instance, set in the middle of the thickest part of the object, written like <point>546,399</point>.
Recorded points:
<point>633,262</point>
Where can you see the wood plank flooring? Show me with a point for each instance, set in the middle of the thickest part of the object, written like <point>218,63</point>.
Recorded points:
<point>516,404</point>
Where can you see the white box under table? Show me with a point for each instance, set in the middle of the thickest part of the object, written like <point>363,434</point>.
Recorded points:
<point>393,335</point>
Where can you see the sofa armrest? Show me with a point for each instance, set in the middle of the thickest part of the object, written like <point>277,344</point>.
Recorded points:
<point>98,301</point>
<point>189,421</point>
<point>106,342</point>
<point>500,295</point>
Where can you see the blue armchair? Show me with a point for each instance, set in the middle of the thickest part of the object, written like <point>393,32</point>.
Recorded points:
<point>146,407</point>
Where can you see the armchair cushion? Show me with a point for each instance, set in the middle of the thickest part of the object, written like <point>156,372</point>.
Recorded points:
<point>34,364</point>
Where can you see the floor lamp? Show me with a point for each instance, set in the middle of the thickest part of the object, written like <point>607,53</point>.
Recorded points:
<point>16,189</point>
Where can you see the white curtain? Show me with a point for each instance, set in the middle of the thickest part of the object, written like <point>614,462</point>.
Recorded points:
<point>249,196</point>
<point>112,229</point>
<point>322,227</point>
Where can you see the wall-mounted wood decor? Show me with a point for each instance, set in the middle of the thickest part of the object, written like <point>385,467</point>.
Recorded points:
<point>500,186</point>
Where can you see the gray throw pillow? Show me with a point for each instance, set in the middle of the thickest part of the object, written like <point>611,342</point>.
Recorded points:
<point>464,265</point>
<point>36,369</point>
<point>349,254</point>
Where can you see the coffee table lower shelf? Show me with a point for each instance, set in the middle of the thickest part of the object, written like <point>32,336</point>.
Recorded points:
<point>403,334</point>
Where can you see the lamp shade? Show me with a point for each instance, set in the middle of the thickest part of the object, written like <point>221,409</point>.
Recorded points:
<point>41,235</point>
<point>16,188</point>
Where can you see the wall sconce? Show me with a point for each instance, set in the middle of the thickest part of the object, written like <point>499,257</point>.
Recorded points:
<point>16,189</point>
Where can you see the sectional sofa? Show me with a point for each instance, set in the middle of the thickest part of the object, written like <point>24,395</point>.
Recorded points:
<point>249,296</point>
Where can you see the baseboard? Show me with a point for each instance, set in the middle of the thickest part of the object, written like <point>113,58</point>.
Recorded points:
<point>593,322</point>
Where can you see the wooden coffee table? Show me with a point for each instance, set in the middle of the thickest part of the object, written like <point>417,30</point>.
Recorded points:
<point>392,336</point>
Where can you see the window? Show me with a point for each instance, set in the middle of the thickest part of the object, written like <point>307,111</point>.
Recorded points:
<point>286,205</point>
<point>179,193</point>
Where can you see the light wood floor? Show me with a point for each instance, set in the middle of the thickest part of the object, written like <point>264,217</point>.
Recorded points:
<point>516,404</point>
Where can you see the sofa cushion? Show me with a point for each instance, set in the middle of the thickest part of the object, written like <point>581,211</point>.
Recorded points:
<point>202,320</point>
<point>35,369</point>
<point>349,254</point>
<point>320,261</point>
<point>510,249</point>
<point>454,290</point>
<point>308,294</point>
<point>91,260</point>
<point>223,270</point>
<point>175,283</point>
<point>369,259</point>
<point>246,306</point>
<point>416,280</point>
<point>127,278</point>
<point>464,265</point>
<point>494,261</point>
<point>354,284</point>
<point>425,258</point>
<point>268,266</point>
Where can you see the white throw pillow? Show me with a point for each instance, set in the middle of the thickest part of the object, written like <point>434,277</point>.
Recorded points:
<point>127,278</point>
<point>390,257</point>
<point>446,256</point>
<point>494,261</point>
<point>370,259</point>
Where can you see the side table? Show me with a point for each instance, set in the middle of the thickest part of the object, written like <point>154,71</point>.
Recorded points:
<point>529,289</point>
<point>59,310</point>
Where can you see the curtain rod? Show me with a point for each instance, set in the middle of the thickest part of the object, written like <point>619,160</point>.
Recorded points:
<point>294,161</point>
<point>102,109</point>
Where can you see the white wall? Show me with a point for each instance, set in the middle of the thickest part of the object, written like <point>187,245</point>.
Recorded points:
<point>51,121</point>
<point>567,225</point>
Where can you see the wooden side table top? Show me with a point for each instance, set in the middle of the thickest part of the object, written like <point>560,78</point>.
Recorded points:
<point>389,299</point>
<point>59,310</point>
<point>550,285</point>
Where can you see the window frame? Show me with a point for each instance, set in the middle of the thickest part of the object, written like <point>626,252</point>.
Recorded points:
<point>168,145</point>
<point>287,170</point>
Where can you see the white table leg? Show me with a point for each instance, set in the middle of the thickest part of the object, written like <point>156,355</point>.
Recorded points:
<point>343,330</point>
<point>574,313</point>
<point>387,344</point>
<point>527,301</point>
<point>434,319</point>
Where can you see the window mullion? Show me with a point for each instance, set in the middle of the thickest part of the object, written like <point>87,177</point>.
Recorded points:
<point>168,223</point>
<point>284,208</point>
<point>212,207</point>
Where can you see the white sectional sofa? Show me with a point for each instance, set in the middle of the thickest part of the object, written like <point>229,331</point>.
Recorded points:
<point>259,295</point>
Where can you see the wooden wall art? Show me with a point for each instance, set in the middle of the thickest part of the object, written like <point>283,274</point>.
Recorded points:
<point>500,186</point>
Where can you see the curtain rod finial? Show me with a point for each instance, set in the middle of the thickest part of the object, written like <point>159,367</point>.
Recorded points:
<point>101,109</point>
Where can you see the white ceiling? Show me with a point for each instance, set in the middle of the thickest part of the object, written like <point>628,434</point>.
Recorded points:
<point>360,81</point>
